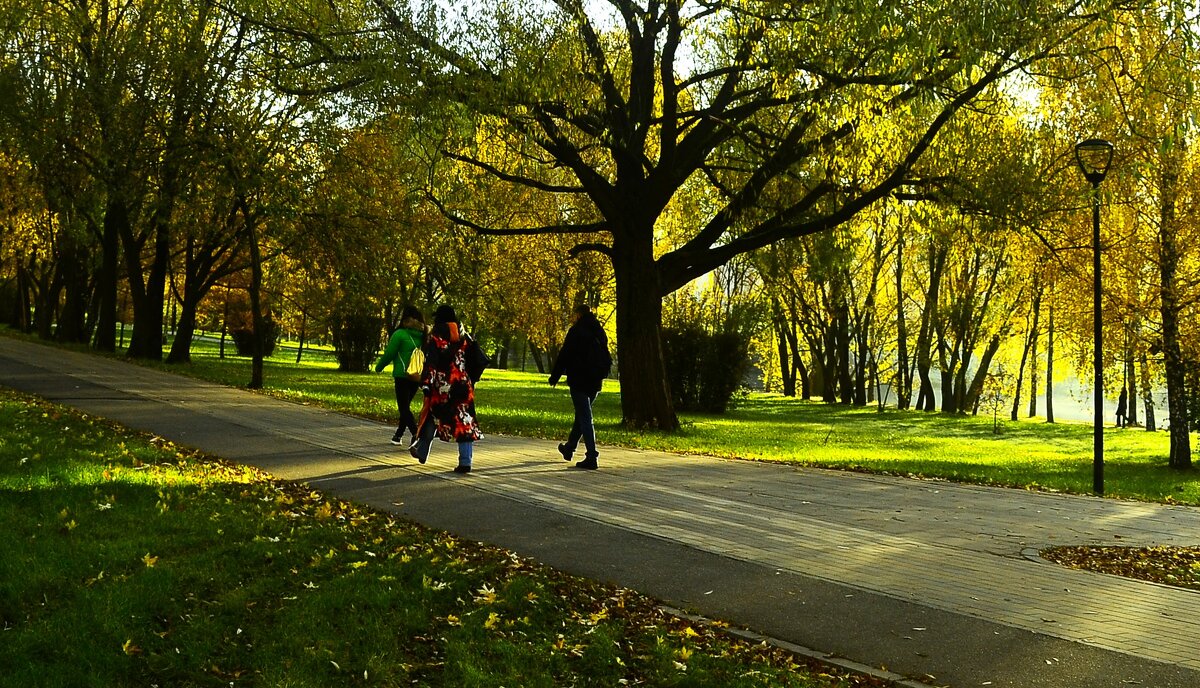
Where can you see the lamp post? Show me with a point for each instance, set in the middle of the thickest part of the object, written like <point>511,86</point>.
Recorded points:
<point>1093,157</point>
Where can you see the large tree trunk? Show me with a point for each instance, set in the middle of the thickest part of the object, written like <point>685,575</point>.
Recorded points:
<point>72,265</point>
<point>540,363</point>
<point>1029,348</point>
<point>181,348</point>
<point>864,371</point>
<point>829,366</point>
<point>842,332</point>
<point>937,263</point>
<point>926,400</point>
<point>787,370</point>
<point>256,310</point>
<point>47,287</point>
<point>1173,363</point>
<point>1033,354</point>
<point>21,319</point>
<point>147,338</point>
<point>976,388</point>
<point>949,399</point>
<point>1131,386</point>
<point>904,381</point>
<point>1147,395</point>
<point>949,367</point>
<point>802,374</point>
<point>1050,367</point>
<point>303,334</point>
<point>1016,405</point>
<point>195,288</point>
<point>645,397</point>
<point>502,354</point>
<point>116,220</point>
<point>861,373</point>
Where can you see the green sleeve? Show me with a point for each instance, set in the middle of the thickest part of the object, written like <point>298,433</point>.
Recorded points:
<point>393,349</point>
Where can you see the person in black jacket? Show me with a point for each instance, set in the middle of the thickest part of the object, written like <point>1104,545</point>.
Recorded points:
<point>585,360</point>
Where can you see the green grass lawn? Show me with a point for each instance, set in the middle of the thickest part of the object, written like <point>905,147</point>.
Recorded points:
<point>130,562</point>
<point>1027,453</point>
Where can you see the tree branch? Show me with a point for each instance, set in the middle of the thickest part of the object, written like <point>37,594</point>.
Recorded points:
<point>513,231</point>
<point>514,178</point>
<point>596,247</point>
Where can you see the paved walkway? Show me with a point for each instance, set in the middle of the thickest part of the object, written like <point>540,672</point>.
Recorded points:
<point>932,580</point>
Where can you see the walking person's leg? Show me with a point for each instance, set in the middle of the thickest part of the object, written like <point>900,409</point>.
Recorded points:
<point>582,400</point>
<point>567,449</point>
<point>405,391</point>
<point>401,406</point>
<point>420,450</point>
<point>466,452</point>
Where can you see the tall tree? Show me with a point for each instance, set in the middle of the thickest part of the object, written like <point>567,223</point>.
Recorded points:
<point>626,103</point>
<point>1147,62</point>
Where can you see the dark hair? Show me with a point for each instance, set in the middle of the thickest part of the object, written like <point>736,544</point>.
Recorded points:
<point>582,309</point>
<point>412,312</point>
<point>445,314</point>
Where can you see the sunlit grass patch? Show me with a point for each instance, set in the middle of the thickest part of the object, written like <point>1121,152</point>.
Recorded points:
<point>771,427</point>
<point>130,561</point>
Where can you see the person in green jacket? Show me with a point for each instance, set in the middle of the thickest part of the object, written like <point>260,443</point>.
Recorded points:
<point>409,336</point>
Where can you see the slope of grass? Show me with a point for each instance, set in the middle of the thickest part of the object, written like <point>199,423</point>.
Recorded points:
<point>129,562</point>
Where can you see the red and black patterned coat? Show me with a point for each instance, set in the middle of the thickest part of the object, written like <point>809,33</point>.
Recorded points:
<point>449,392</point>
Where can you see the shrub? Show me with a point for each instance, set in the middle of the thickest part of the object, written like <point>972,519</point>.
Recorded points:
<point>243,339</point>
<point>356,340</point>
<point>705,369</point>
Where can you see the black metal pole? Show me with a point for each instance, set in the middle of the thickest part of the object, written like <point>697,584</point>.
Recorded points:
<point>1097,360</point>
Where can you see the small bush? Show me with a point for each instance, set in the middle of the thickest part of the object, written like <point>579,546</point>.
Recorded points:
<point>243,339</point>
<point>705,369</point>
<point>356,340</point>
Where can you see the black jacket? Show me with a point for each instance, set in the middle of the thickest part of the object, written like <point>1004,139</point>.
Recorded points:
<point>584,356</point>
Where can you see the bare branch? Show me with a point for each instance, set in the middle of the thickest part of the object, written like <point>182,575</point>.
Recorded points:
<point>514,178</point>
<point>604,249</point>
<point>461,221</point>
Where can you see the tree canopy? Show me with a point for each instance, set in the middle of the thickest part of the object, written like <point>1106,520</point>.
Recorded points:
<point>893,181</point>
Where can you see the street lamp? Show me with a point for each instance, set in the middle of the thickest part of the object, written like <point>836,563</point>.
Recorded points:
<point>1093,157</point>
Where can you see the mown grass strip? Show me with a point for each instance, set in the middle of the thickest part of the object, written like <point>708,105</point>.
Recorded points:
<point>129,561</point>
<point>1025,454</point>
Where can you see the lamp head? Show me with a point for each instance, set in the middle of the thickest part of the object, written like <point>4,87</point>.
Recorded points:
<point>1093,157</point>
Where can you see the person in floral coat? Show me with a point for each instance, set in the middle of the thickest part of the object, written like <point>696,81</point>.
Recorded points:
<point>449,409</point>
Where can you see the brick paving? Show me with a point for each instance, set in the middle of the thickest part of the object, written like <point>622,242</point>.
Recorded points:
<point>965,549</point>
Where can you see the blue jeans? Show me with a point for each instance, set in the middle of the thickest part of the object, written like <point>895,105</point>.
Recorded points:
<point>583,428</point>
<point>466,450</point>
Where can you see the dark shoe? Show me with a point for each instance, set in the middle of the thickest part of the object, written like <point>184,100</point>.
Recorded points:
<point>462,469</point>
<point>587,464</point>
<point>412,450</point>
<point>562,449</point>
<point>398,438</point>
